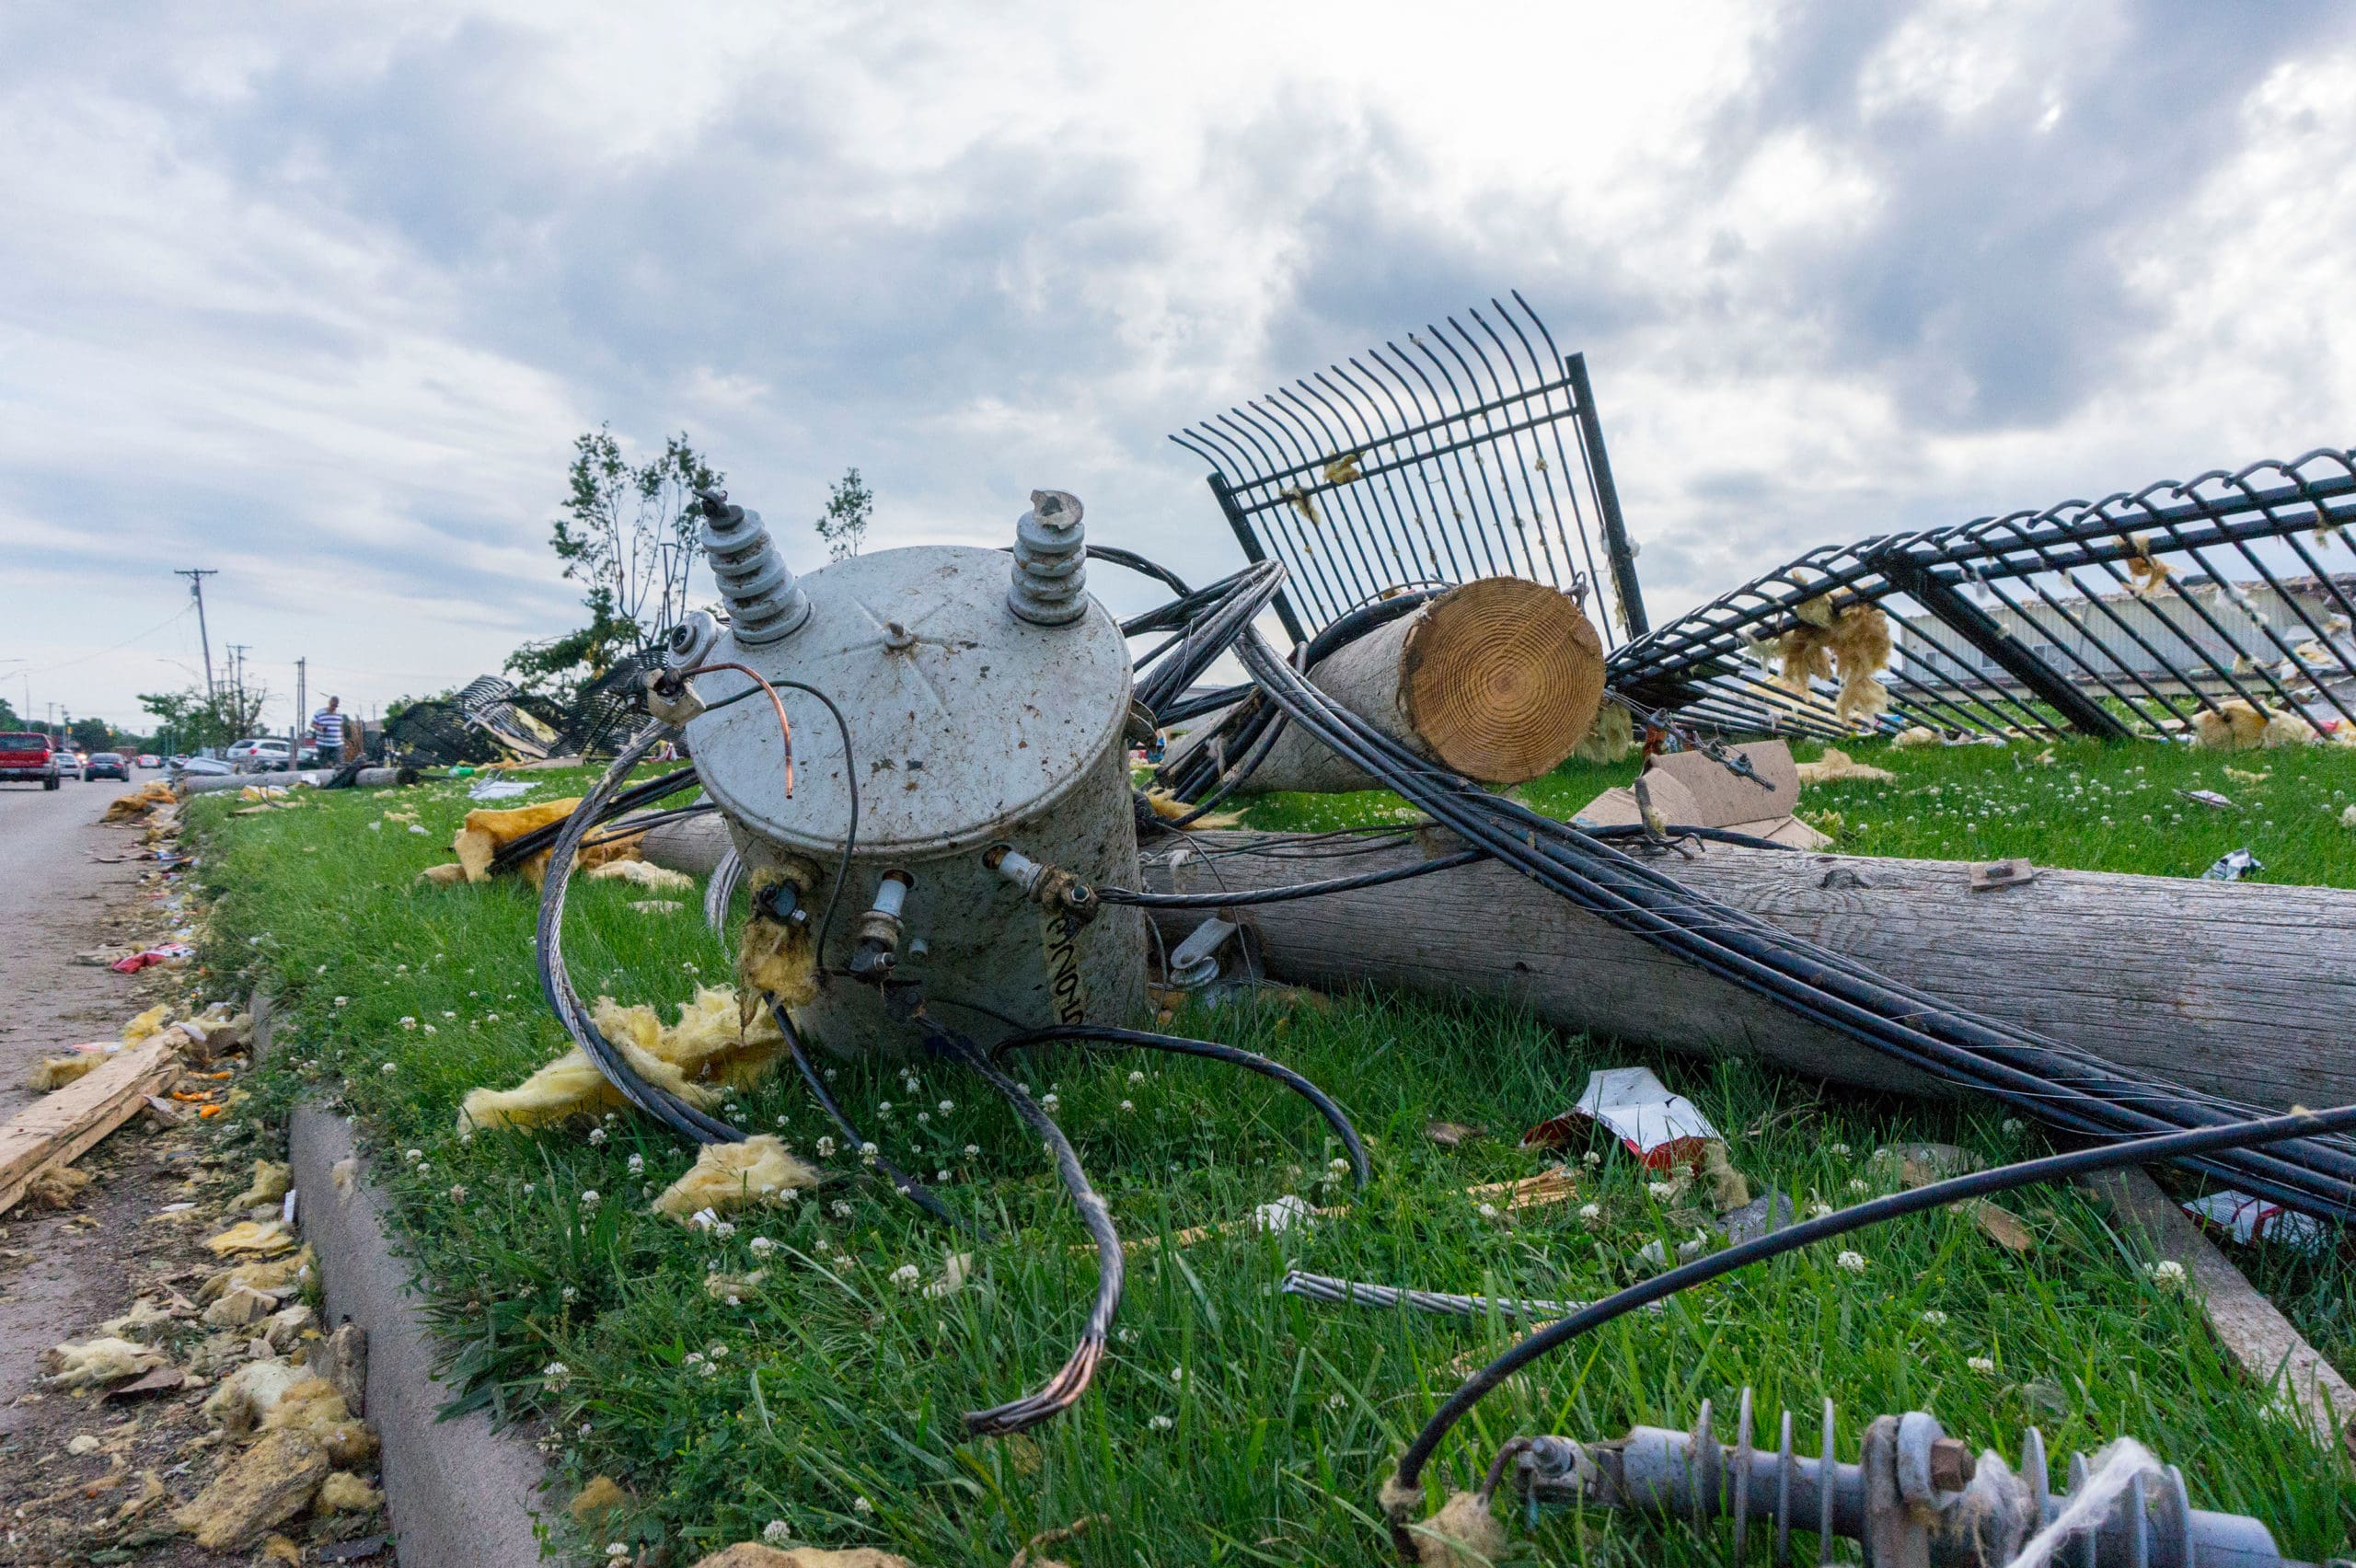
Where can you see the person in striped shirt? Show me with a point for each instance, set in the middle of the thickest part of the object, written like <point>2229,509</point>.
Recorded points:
<point>326,733</point>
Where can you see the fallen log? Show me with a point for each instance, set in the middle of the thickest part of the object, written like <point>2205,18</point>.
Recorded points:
<point>2231,988</point>
<point>1497,680</point>
<point>57,1128</point>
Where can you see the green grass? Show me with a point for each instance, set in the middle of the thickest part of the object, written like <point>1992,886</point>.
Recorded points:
<point>836,1386</point>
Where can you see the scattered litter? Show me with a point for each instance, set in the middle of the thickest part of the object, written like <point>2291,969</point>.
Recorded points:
<point>95,1363</point>
<point>2249,1220</point>
<point>1448,1134</point>
<point>733,1288</point>
<point>729,1175</point>
<point>655,906</point>
<point>1836,764</point>
<point>1660,1128</point>
<point>1997,874</point>
<point>1917,736</point>
<point>1756,1218</point>
<point>500,789</point>
<point>163,1380</point>
<point>167,953</point>
<point>1284,1213</point>
<point>2209,798</point>
<point>2233,866</point>
<point>2003,1226</point>
<point>1729,1189</point>
<point>956,1272</point>
<point>246,1398</point>
<point>752,1554</point>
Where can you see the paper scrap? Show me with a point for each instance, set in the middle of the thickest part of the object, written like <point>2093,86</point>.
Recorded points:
<point>1660,1128</point>
<point>2250,1219</point>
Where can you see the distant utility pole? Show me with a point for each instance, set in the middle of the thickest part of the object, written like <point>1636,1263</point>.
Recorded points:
<point>295,726</point>
<point>196,576</point>
<point>237,677</point>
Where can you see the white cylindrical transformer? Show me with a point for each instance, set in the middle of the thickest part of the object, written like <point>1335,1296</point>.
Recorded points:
<point>970,725</point>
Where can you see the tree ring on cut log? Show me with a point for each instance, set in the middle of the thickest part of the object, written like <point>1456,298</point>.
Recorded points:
<point>1501,677</point>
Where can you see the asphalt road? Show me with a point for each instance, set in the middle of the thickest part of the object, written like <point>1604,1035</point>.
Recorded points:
<point>56,901</point>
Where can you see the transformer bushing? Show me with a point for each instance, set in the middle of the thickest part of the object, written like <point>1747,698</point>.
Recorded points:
<point>1050,561</point>
<point>1916,1498</point>
<point>764,603</point>
<point>983,708</point>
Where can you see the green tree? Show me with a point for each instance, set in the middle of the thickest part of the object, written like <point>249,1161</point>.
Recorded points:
<point>187,720</point>
<point>850,506</point>
<point>626,532</point>
<point>93,735</point>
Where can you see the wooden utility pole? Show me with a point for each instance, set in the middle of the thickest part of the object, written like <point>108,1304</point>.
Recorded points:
<point>196,576</point>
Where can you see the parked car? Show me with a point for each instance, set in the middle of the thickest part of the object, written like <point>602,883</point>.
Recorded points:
<point>69,765</point>
<point>107,764</point>
<point>149,759</point>
<point>25,756</point>
<point>242,753</point>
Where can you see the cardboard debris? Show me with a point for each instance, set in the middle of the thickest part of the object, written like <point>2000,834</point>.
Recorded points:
<point>2249,1220</point>
<point>1660,1128</point>
<point>1690,790</point>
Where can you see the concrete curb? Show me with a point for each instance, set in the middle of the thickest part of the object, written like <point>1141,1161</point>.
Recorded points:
<point>461,1493</point>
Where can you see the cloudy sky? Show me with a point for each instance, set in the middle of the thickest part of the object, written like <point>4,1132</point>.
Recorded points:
<point>318,296</point>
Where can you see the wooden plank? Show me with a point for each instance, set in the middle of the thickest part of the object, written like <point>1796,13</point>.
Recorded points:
<point>2252,1328</point>
<point>59,1127</point>
<point>2230,989</point>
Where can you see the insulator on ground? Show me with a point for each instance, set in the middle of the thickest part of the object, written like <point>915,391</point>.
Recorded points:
<point>764,603</point>
<point>1050,561</point>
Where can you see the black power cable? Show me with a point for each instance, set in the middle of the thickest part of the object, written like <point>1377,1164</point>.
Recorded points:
<point>1213,1049</point>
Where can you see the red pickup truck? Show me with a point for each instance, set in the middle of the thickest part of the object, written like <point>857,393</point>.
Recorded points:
<point>25,758</point>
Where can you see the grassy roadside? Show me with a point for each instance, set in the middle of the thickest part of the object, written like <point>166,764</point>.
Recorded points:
<point>1231,1425</point>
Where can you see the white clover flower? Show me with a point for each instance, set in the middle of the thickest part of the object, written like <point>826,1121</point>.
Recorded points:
<point>907,1276</point>
<point>947,1106</point>
<point>1161,1423</point>
<point>1048,1101</point>
<point>883,1107</point>
<point>344,1001</point>
<point>638,1165</point>
<point>972,1149</point>
<point>491,1017</point>
<point>589,1197</point>
<point>1858,1184</point>
<point>715,1349</point>
<point>821,1246</point>
<point>2013,1124</point>
<point>1592,1159</point>
<point>447,1013</point>
<point>1591,1216</point>
<point>868,1153</point>
<point>2168,1275</point>
<point>615,1550</point>
<point>1839,1148</point>
<point>1177,1374</point>
<point>431,1029</point>
<point>1488,1211</point>
<point>762,1246</point>
<point>861,1506</point>
<point>388,1067</point>
<point>1661,1190</point>
<point>776,1533</point>
<point>1983,1364</point>
<point>1127,1106</point>
<point>724,1229</point>
<point>1339,1167</point>
<point>1337,1399</point>
<point>556,1374</point>
<point>458,1193</point>
<point>407,1022</point>
<point>569,1294</point>
<point>597,1134</point>
<point>413,1155</point>
<point>1853,1262</point>
<point>423,1167</point>
<point>924,1118</point>
<point>942,1174</point>
<point>826,1149</point>
<point>841,1208</point>
<point>704,1218</point>
<point>1136,1076</point>
<point>530,1187</point>
<point>1884,1154</point>
<point>1932,1317</point>
<point>1818,1209</point>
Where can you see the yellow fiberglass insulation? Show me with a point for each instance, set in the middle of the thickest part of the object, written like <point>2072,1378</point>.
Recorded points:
<point>1611,737</point>
<point>1850,640</point>
<point>485,831</point>
<point>731,1175</point>
<point>2235,725</point>
<point>712,1046</point>
<point>775,956</point>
